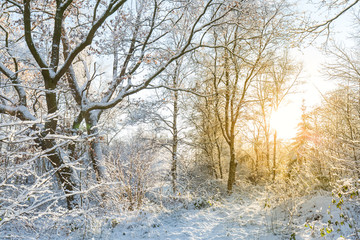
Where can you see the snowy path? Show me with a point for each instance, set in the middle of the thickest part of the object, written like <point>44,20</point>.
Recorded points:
<point>241,216</point>
<point>235,219</point>
<point>238,217</point>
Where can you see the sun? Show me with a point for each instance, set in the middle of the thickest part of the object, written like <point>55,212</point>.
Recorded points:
<point>285,121</point>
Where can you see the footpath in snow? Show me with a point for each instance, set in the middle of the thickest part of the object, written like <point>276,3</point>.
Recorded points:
<point>238,217</point>
<point>246,214</point>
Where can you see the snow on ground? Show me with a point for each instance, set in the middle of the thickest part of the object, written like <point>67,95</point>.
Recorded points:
<point>239,217</point>
<point>243,220</point>
<point>243,215</point>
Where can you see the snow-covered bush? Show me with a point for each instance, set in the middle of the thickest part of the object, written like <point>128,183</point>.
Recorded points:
<point>346,198</point>
<point>130,165</point>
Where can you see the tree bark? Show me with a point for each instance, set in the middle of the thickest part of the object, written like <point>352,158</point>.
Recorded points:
<point>232,168</point>
<point>219,158</point>
<point>64,172</point>
<point>175,137</point>
<point>95,151</point>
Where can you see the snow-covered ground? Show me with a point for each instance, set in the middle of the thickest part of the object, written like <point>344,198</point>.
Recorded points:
<point>231,219</point>
<point>243,215</point>
<point>239,217</point>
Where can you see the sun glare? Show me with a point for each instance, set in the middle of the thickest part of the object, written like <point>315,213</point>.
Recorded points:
<point>285,121</point>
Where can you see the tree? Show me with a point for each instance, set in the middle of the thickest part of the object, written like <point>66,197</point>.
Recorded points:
<point>72,28</point>
<point>283,76</point>
<point>206,134</point>
<point>244,49</point>
<point>345,100</point>
<point>162,111</point>
<point>50,67</point>
<point>331,16</point>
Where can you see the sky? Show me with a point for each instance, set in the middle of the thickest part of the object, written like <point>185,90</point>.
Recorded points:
<point>315,82</point>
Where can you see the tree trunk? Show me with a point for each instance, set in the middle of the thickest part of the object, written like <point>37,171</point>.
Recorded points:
<point>232,167</point>
<point>274,156</point>
<point>257,159</point>
<point>95,145</point>
<point>267,142</point>
<point>174,165</point>
<point>219,159</point>
<point>175,140</point>
<point>64,172</point>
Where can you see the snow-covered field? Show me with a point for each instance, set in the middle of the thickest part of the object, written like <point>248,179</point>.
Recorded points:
<point>247,214</point>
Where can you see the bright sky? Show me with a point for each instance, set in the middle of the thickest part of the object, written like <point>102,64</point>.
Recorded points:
<point>285,120</point>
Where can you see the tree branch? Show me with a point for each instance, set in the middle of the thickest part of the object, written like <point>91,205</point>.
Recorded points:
<point>113,6</point>
<point>29,40</point>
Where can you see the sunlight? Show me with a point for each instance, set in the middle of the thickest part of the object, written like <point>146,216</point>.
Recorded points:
<point>285,121</point>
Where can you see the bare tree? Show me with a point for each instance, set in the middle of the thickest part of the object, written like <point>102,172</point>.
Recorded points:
<point>49,65</point>
<point>72,28</point>
<point>248,48</point>
<point>345,101</point>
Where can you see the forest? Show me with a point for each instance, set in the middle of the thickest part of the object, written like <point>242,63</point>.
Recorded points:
<point>179,119</point>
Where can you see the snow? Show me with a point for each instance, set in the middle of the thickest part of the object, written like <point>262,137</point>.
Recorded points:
<point>243,215</point>
<point>234,217</point>
<point>230,220</point>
